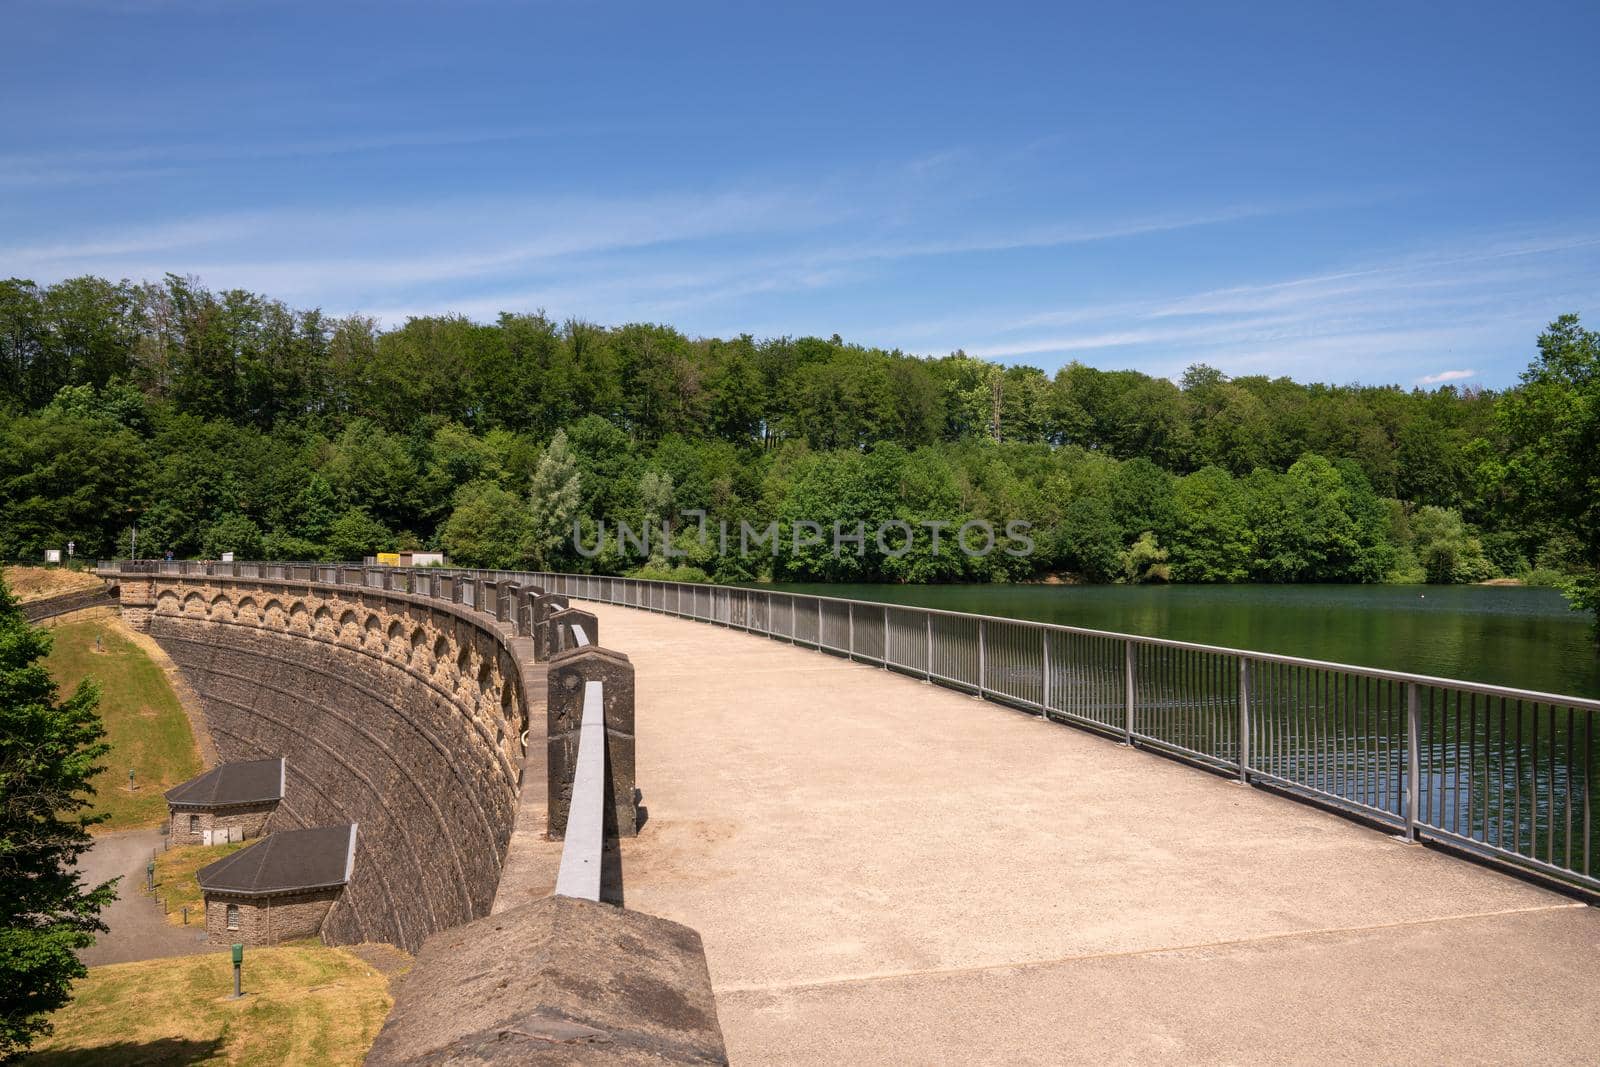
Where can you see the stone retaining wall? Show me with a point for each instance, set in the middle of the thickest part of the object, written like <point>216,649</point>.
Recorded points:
<point>401,713</point>
<point>77,600</point>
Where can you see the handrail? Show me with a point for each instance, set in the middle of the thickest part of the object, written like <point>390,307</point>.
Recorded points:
<point>1061,627</point>
<point>579,874</point>
<point>1504,773</point>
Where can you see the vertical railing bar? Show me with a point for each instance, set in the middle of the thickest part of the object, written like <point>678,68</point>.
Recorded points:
<point>983,654</point>
<point>1516,822</point>
<point>1567,763</point>
<point>1244,721</point>
<point>1128,677</point>
<point>1588,792</point>
<point>1336,711</point>
<point>1413,763</point>
<point>1374,747</point>
<point>1455,776</point>
<point>1429,747</point>
<point>1297,731</point>
<point>1044,672</point>
<point>1500,778</point>
<point>1472,765</point>
<point>1533,791</point>
<point>1550,788</point>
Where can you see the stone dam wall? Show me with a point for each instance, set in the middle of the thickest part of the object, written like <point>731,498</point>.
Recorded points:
<point>402,713</point>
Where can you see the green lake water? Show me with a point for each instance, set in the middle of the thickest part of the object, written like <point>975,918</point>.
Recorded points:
<point>1512,636</point>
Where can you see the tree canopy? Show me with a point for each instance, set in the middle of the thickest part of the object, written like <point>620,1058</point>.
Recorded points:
<point>231,422</point>
<point>48,753</point>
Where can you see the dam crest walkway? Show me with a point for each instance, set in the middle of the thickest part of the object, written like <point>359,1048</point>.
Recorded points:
<point>885,871</point>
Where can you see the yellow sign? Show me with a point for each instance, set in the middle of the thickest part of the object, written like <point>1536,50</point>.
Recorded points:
<point>388,559</point>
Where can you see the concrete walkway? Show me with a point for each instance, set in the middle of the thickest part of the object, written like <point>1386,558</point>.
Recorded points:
<point>138,929</point>
<point>888,872</point>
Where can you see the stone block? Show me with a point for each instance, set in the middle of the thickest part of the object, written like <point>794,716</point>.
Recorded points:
<point>558,981</point>
<point>565,684</point>
<point>561,639</point>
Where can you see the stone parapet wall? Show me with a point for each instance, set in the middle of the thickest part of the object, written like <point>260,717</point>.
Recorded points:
<point>401,713</point>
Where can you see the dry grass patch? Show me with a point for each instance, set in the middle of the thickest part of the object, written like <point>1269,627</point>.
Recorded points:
<point>304,1003</point>
<point>37,583</point>
<point>145,724</point>
<point>176,882</point>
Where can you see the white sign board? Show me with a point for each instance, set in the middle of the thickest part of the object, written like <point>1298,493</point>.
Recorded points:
<point>52,555</point>
<point>227,557</point>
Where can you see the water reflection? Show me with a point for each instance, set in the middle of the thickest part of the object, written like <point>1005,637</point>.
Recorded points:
<point>1508,636</point>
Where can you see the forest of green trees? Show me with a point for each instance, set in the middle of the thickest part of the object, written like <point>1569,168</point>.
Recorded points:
<point>221,421</point>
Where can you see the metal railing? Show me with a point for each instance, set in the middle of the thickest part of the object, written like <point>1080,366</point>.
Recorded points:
<point>1505,774</point>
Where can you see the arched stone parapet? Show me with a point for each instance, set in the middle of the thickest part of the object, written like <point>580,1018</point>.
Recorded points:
<point>403,713</point>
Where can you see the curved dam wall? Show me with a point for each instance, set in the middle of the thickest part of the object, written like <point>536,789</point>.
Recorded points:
<point>401,713</point>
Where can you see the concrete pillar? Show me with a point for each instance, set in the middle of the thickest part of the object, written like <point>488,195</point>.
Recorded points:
<point>505,603</point>
<point>545,605</point>
<point>569,673</point>
<point>526,594</point>
<point>557,625</point>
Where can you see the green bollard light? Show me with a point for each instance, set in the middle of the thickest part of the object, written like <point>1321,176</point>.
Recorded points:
<point>238,965</point>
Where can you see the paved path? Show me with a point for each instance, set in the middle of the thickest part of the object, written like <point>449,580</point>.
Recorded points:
<point>139,931</point>
<point>888,872</point>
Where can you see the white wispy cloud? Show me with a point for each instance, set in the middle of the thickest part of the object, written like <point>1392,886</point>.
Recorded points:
<point>161,160</point>
<point>1362,323</point>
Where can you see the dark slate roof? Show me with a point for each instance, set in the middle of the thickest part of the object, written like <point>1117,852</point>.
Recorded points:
<point>285,862</point>
<point>250,782</point>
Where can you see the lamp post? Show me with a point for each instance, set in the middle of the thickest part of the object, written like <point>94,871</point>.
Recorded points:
<point>238,965</point>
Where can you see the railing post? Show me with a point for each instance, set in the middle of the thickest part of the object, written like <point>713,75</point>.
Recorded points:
<point>1044,660</point>
<point>565,690</point>
<point>1128,678</point>
<point>982,659</point>
<point>555,628</point>
<point>886,637</point>
<point>928,618</point>
<point>850,639</point>
<point>1244,721</point>
<point>1413,760</point>
<point>819,622</point>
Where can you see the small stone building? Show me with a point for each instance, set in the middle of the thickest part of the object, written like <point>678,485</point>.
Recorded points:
<point>280,888</point>
<point>230,802</point>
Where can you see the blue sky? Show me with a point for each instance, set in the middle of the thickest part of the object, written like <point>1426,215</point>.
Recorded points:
<point>1365,192</point>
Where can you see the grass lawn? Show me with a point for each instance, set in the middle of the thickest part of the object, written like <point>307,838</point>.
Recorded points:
<point>36,583</point>
<point>176,883</point>
<point>145,724</point>
<point>304,1003</point>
